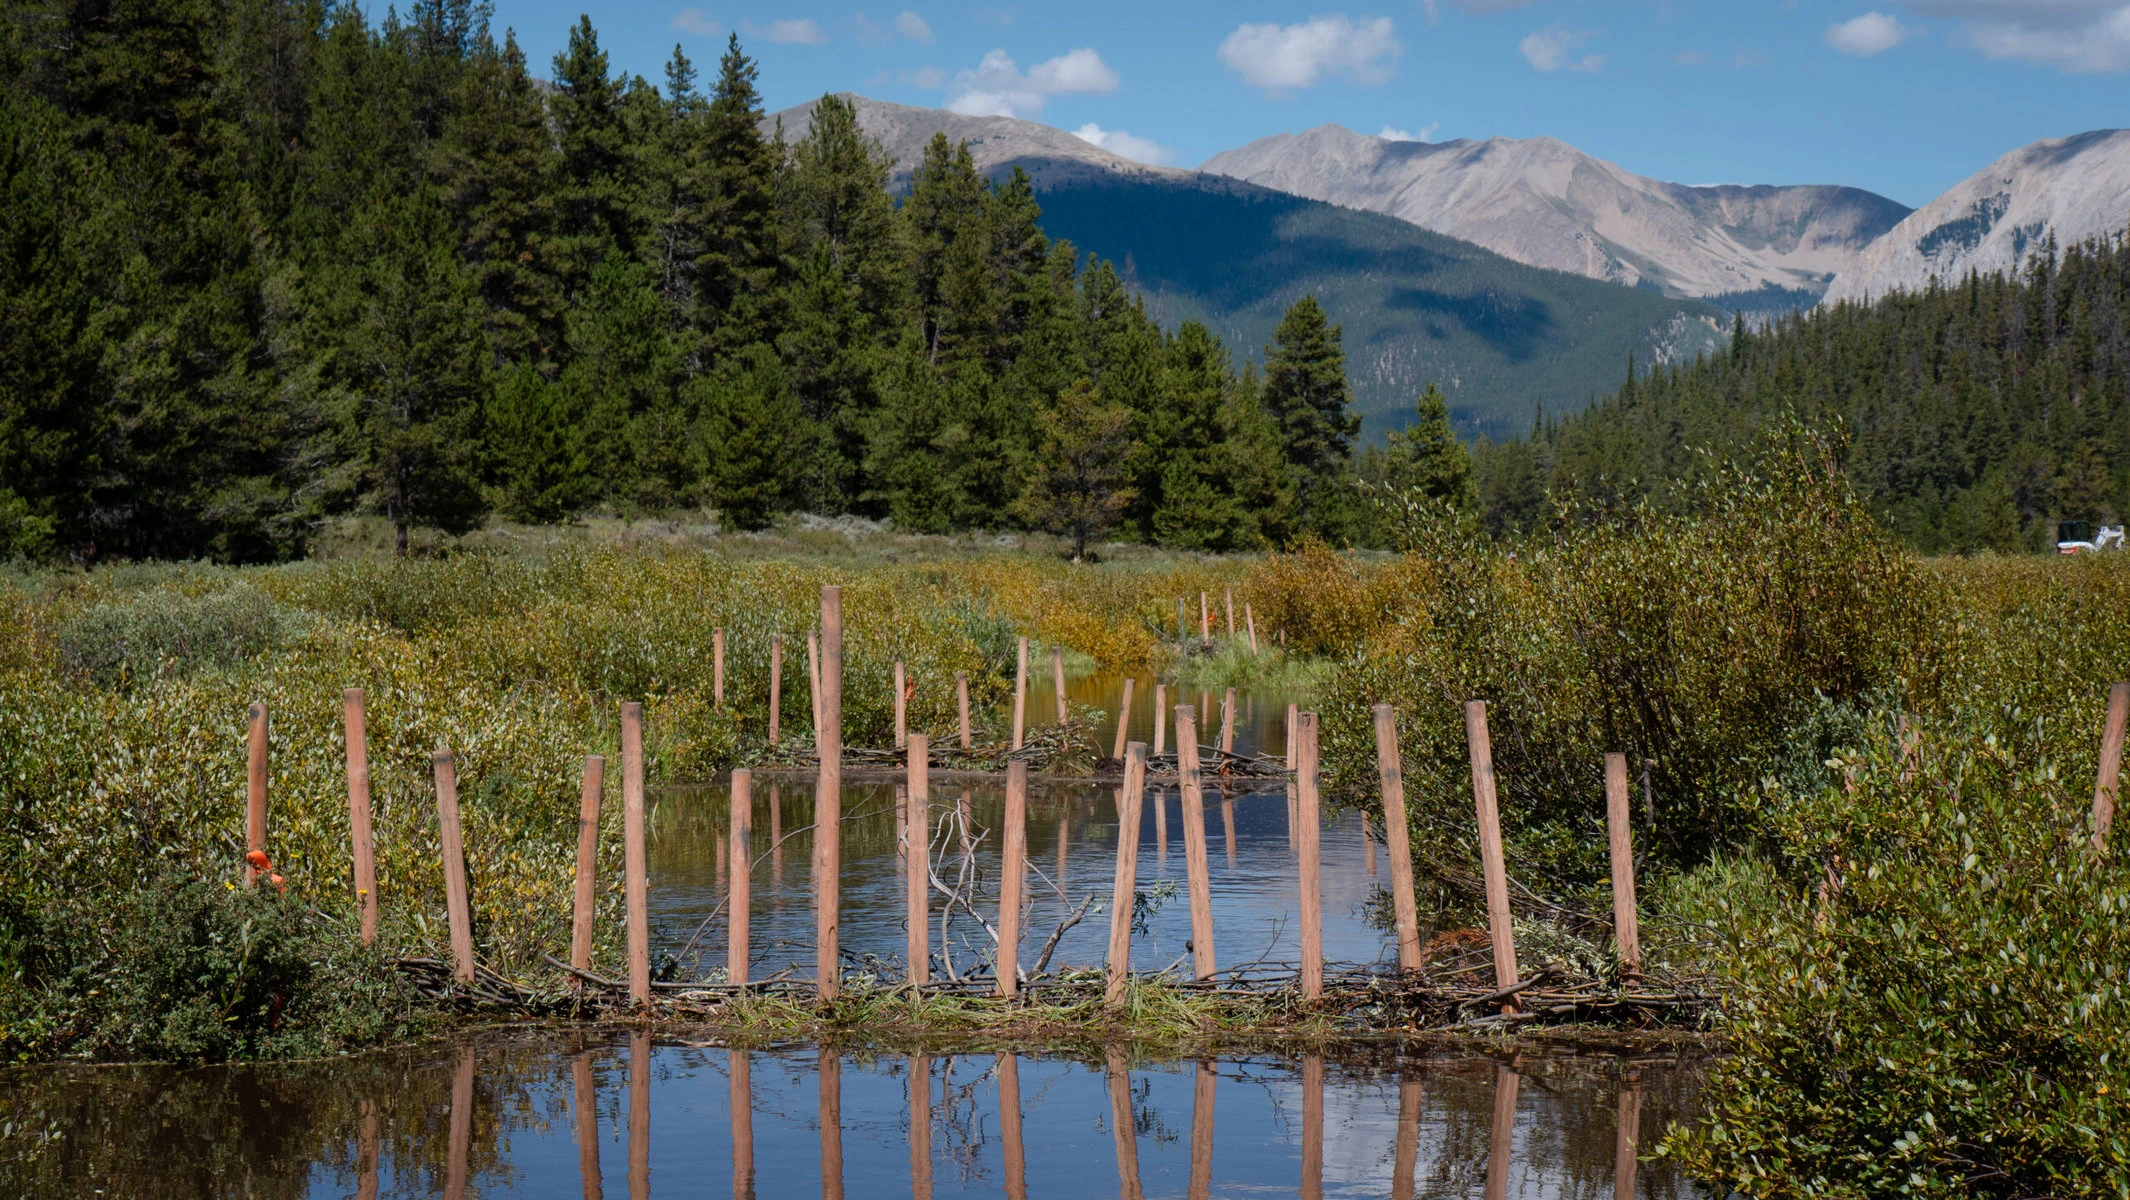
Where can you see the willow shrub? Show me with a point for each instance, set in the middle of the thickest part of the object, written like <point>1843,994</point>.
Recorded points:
<point>1950,1022</point>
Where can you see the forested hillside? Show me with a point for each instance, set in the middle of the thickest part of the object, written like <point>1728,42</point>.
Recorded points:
<point>264,263</point>
<point>1978,413</point>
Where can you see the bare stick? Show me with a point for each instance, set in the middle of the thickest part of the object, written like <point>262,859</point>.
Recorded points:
<point>828,801</point>
<point>1390,766</point>
<point>717,667</point>
<point>1020,695</point>
<point>585,901</point>
<point>1057,677</point>
<point>776,684</point>
<point>1194,841</point>
<point>1124,717</point>
<point>635,866</point>
<point>361,838</point>
<point>2111,764</point>
<point>902,726</point>
<point>1120,911</point>
<point>255,736</point>
<point>1161,716</point>
<point>1306,851</point>
<point>916,840</point>
<point>1499,929</point>
<point>1619,821</point>
<point>961,701</point>
<point>458,912</point>
<point>740,898</point>
<point>1012,868</point>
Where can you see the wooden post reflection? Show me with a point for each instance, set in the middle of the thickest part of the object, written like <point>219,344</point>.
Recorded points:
<point>1227,820</point>
<point>587,1114</point>
<point>1628,1144</point>
<point>639,1116</point>
<point>1313,1127</point>
<point>1009,1127</point>
<point>776,833</point>
<point>830,1070</point>
<point>366,1155</point>
<point>1498,1144</point>
<point>742,1105</point>
<point>1202,1133</point>
<point>1408,1144</point>
<point>1123,1130</point>
<point>1161,825</point>
<point>920,1127</point>
<point>461,1137</point>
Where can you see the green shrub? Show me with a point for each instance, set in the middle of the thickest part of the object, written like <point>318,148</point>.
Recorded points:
<point>173,633</point>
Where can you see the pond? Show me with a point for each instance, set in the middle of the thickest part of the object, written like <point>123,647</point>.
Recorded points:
<point>562,1115</point>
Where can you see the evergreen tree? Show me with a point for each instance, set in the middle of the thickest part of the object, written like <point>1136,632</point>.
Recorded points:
<point>1306,396</point>
<point>1079,484</point>
<point>729,174</point>
<point>754,432</point>
<point>1426,458</point>
<point>591,202</point>
<point>535,439</point>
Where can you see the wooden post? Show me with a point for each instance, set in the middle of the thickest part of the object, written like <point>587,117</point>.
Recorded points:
<point>741,1102</point>
<point>828,802</point>
<point>1123,1129</point>
<point>902,712</point>
<point>961,701</point>
<point>1503,1134</point>
<point>1127,884</point>
<point>813,677</point>
<point>1390,767</point>
<point>1205,620</point>
<point>1227,821</point>
<point>1229,595</point>
<point>920,1127</point>
<point>639,1116</point>
<point>1202,1095</point>
<point>1124,717</point>
<point>717,668</point>
<point>1305,846</point>
<point>458,911</point>
<point>1312,1126</point>
<point>635,866</point>
<point>1250,618</point>
<point>1194,841</point>
<point>1499,929</point>
<point>585,902</point>
<point>1161,716</point>
<point>1292,712</point>
<point>829,1069</point>
<point>776,684</point>
<point>2111,764</point>
<point>255,734</point>
<point>585,1107</point>
<point>1619,821</point>
<point>1627,1141</point>
<point>1020,695</point>
<point>741,898</point>
<point>1009,1127</point>
<point>1057,676</point>
<point>917,851</point>
<point>1227,726</point>
<point>458,1138</point>
<point>1013,867</point>
<point>361,838</point>
<point>1405,1154</point>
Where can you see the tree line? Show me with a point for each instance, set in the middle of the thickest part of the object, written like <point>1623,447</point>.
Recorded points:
<point>1976,414</point>
<point>265,263</point>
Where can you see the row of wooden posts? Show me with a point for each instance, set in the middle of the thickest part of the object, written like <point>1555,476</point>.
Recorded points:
<point>1124,1126</point>
<point>827,842</point>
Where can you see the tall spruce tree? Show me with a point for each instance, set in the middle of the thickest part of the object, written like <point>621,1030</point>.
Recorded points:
<point>1306,395</point>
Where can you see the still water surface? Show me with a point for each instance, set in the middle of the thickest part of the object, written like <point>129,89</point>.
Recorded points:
<point>549,1116</point>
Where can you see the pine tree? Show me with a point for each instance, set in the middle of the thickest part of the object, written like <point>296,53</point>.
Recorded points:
<point>591,203</point>
<point>754,432</point>
<point>1426,458</point>
<point>1079,484</point>
<point>1305,394</point>
<point>729,170</point>
<point>535,439</point>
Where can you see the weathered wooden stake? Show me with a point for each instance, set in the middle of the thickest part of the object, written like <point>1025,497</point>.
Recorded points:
<point>1619,823</point>
<point>1390,768</point>
<point>1120,909</point>
<point>2111,764</point>
<point>1292,712</point>
<point>1227,821</point>
<point>1205,620</point>
<point>961,701</point>
<point>740,900</point>
<point>776,684</point>
<point>1202,1093</point>
<point>828,802</point>
<point>635,865</point>
<point>361,838</point>
<point>1499,929</point>
<point>813,678</point>
<point>1124,717</point>
<point>458,911</point>
<point>1020,695</point>
<point>1250,619</point>
<point>1305,829</point>
<point>1012,868</point>
<point>717,667</point>
<point>902,726</point>
<point>1194,841</point>
<point>255,763</point>
<point>1057,676</point>
<point>1228,595</point>
<point>1227,726</point>
<point>917,851</point>
<point>1009,1127</point>
<point>584,905</point>
<point>1161,717</point>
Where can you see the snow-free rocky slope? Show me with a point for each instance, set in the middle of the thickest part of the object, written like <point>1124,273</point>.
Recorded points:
<point>2071,188</point>
<point>1543,202</point>
<point>1502,338</point>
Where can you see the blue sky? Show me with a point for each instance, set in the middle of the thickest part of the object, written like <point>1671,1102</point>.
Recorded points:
<point>1904,97</point>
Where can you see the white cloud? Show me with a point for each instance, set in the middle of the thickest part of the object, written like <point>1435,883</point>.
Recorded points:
<point>913,27</point>
<point>1864,36</point>
<point>996,88</point>
<point>1116,141</point>
<point>697,22</point>
<point>800,31</point>
<point>2070,35</point>
<point>1282,58</point>
<point>1553,49</point>
<point>1426,134</point>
